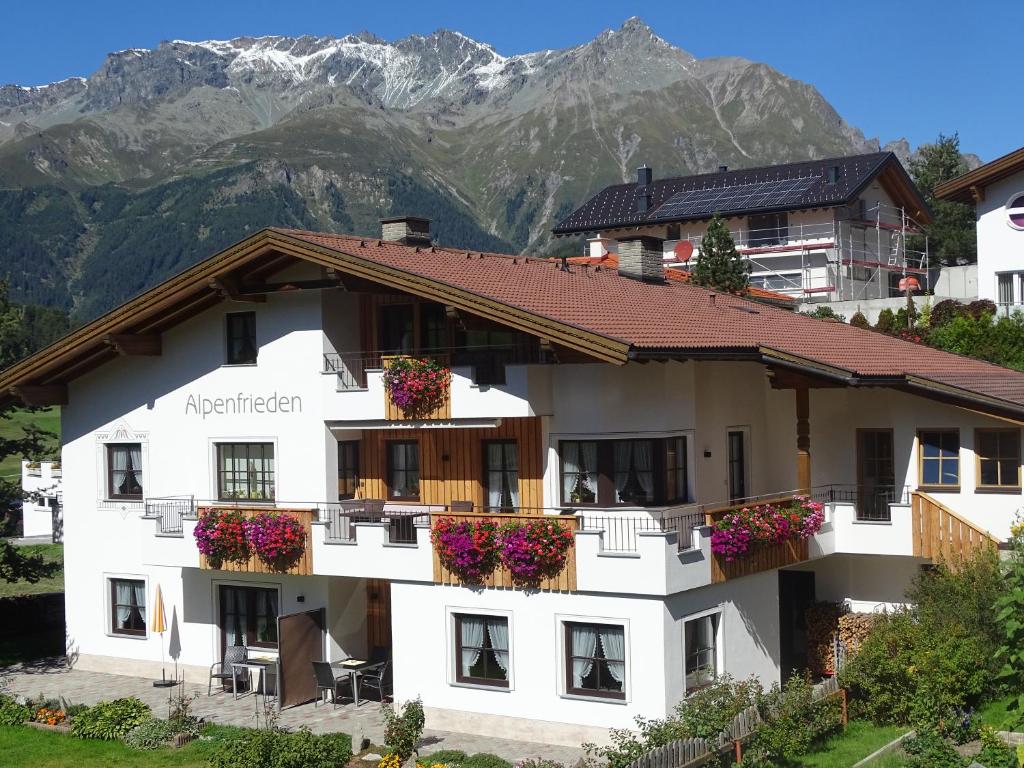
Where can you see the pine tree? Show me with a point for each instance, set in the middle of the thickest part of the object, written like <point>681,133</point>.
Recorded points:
<point>719,265</point>
<point>951,235</point>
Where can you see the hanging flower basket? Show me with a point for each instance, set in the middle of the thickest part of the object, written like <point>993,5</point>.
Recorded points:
<point>277,540</point>
<point>534,550</point>
<point>416,385</point>
<point>222,537</point>
<point>467,549</point>
<point>740,531</point>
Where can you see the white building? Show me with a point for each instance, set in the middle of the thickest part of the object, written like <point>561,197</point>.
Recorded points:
<point>628,405</point>
<point>996,190</point>
<point>41,486</point>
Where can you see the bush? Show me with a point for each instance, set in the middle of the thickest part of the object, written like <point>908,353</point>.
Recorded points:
<point>981,307</point>
<point>825,312</point>
<point>13,713</point>
<point>886,322</point>
<point>110,720</point>
<point>792,721</point>
<point>945,311</point>
<point>485,760</point>
<point>151,734</point>
<point>994,752</point>
<point>277,749</point>
<point>537,762</point>
<point>402,730</point>
<point>930,750</point>
<point>859,320</point>
<point>454,757</point>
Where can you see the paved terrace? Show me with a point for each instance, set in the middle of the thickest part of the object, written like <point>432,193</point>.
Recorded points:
<point>53,679</point>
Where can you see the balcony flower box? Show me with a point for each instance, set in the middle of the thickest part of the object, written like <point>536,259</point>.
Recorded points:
<point>741,531</point>
<point>417,388</point>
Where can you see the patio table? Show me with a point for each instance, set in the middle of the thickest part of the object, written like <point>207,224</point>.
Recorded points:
<point>262,665</point>
<point>354,667</point>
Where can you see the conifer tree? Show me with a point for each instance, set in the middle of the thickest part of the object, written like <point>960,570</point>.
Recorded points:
<point>719,265</point>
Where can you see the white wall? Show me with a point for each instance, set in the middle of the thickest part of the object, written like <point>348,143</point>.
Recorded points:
<point>42,484</point>
<point>1000,246</point>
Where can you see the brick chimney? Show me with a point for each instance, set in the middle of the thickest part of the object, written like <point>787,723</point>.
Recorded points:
<point>640,258</point>
<point>410,230</point>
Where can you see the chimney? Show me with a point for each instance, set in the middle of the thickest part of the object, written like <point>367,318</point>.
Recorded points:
<point>832,175</point>
<point>723,168</point>
<point>410,230</point>
<point>644,176</point>
<point>640,258</point>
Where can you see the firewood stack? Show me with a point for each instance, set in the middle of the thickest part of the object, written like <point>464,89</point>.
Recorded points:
<point>822,621</point>
<point>854,628</point>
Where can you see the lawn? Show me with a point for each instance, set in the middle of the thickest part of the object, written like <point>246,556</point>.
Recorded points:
<point>53,553</point>
<point>845,748</point>
<point>29,747</point>
<point>996,714</point>
<point>48,419</point>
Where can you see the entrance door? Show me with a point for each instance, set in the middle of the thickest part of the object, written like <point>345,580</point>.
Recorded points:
<point>737,457</point>
<point>876,474</point>
<point>796,595</point>
<point>302,643</point>
<point>378,614</point>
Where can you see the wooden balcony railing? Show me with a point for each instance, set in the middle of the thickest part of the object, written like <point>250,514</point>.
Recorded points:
<point>304,567</point>
<point>564,581</point>
<point>443,410</point>
<point>759,558</point>
<point>941,534</point>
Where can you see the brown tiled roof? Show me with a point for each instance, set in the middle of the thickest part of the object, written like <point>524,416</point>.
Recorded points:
<point>677,317</point>
<point>963,188</point>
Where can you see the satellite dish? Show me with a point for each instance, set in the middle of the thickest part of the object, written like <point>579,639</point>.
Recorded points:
<point>683,250</point>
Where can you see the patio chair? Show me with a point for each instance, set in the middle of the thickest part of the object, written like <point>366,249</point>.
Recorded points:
<point>326,680</point>
<point>375,677</point>
<point>222,670</point>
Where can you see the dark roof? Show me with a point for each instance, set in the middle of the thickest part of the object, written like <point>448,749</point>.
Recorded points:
<point>787,187</point>
<point>969,187</point>
<point>593,310</point>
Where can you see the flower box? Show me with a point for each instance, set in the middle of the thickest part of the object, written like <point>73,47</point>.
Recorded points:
<point>416,388</point>
<point>255,539</point>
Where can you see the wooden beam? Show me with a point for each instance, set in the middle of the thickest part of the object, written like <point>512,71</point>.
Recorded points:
<point>41,395</point>
<point>780,378</point>
<point>132,344</point>
<point>803,439</point>
<point>229,288</point>
<point>291,285</point>
<point>978,193</point>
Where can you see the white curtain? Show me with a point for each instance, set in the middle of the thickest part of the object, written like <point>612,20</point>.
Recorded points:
<point>266,615</point>
<point>512,471</point>
<point>139,603</point>
<point>584,643</point>
<point>497,629</point>
<point>623,452</point>
<point>644,464</point>
<point>135,452</point>
<point>495,476</point>
<point>613,642</point>
<point>472,640</point>
<point>570,468</point>
<point>124,603</point>
<point>118,469</point>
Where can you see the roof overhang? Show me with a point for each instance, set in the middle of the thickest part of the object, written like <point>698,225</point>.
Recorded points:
<point>970,187</point>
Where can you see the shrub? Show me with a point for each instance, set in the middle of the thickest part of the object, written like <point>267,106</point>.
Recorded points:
<point>537,762</point>
<point>277,749</point>
<point>994,752</point>
<point>454,757</point>
<point>886,322</point>
<point>859,320</point>
<point>825,312</point>
<point>930,750</point>
<point>152,734</point>
<point>946,310</point>
<point>485,760</point>
<point>13,713</point>
<point>792,722</point>
<point>981,307</point>
<point>402,730</point>
<point>110,720</point>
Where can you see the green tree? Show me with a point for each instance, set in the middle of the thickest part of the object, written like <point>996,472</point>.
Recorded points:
<point>1009,609</point>
<point>951,236</point>
<point>719,265</point>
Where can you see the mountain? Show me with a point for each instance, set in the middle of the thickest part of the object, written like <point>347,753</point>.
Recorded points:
<point>112,182</point>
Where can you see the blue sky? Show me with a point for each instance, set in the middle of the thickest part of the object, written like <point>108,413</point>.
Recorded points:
<point>891,68</point>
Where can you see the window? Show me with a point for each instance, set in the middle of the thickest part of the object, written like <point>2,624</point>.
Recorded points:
<point>767,229</point>
<point>248,616</point>
<point>241,338</point>
<point>940,458</point>
<point>998,452</point>
<point>737,458</point>
<point>624,472</point>
<point>700,650</point>
<point>433,327</point>
<point>481,650</point>
<point>501,468</point>
<point>128,607</point>
<point>672,232</point>
<point>348,469</point>
<point>396,329</point>
<point>1004,289</point>
<point>1015,211</point>
<point>595,660</point>
<point>677,485</point>
<point>124,471</point>
<point>404,470</point>
<point>245,471</point>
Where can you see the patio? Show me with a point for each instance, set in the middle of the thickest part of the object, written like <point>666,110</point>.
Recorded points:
<point>52,678</point>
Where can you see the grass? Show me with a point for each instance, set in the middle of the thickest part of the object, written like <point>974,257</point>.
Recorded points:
<point>14,427</point>
<point>845,748</point>
<point>52,553</point>
<point>39,749</point>
<point>996,714</point>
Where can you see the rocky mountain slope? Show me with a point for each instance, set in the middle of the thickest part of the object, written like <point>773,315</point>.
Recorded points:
<point>111,182</point>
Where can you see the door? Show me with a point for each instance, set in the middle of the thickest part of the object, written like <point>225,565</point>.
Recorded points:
<point>737,457</point>
<point>796,595</point>
<point>302,643</point>
<point>876,474</point>
<point>378,614</point>
<point>248,616</point>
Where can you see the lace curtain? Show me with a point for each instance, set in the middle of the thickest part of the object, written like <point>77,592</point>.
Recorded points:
<point>497,630</point>
<point>472,640</point>
<point>584,644</point>
<point>613,643</point>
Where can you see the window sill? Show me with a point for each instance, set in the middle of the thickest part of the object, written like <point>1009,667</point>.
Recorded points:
<point>481,686</point>
<point>123,636</point>
<point>239,365</point>
<point>1011,489</point>
<point>620,700</point>
<point>939,488</point>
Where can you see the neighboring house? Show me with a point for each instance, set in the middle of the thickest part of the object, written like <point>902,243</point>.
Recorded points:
<point>840,231</point>
<point>625,406</point>
<point>41,508</point>
<point>996,190</point>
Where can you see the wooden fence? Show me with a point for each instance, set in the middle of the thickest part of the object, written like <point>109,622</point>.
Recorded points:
<point>304,567</point>
<point>941,534</point>
<point>564,581</point>
<point>693,752</point>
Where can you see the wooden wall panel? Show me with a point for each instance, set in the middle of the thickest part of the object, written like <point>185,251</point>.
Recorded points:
<point>451,462</point>
<point>254,565</point>
<point>378,614</point>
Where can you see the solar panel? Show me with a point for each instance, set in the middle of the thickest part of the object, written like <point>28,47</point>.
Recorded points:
<point>736,197</point>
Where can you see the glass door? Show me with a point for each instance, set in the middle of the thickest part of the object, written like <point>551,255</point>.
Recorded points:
<point>737,443</point>
<point>876,474</point>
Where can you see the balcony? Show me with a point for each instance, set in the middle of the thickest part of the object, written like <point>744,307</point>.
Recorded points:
<point>486,383</point>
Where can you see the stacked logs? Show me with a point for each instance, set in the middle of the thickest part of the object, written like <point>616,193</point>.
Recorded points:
<point>822,623</point>
<point>854,628</point>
